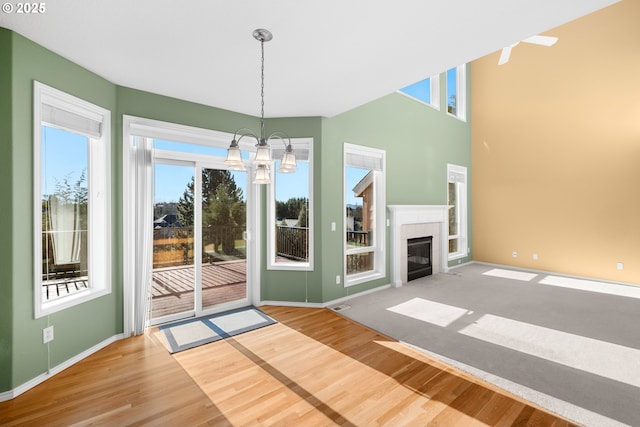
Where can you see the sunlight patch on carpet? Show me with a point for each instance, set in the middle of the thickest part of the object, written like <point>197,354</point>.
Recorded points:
<point>510,274</point>
<point>430,311</point>
<point>587,354</point>
<point>593,286</point>
<point>597,357</point>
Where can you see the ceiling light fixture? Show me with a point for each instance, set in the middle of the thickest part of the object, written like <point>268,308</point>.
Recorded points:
<point>262,158</point>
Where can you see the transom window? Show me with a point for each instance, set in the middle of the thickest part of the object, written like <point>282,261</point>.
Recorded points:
<point>456,92</point>
<point>72,195</point>
<point>426,91</point>
<point>364,195</point>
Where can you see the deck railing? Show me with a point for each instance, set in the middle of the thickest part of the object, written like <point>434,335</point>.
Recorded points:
<point>358,238</point>
<point>173,246</point>
<point>292,242</point>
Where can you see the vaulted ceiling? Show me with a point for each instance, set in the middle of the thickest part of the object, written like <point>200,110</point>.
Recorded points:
<point>326,57</point>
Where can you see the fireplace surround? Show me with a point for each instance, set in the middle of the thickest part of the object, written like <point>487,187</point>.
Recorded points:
<point>411,221</point>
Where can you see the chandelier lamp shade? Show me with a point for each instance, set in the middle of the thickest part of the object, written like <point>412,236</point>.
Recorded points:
<point>262,159</point>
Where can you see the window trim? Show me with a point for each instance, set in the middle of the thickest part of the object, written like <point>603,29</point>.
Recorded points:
<point>297,144</point>
<point>461,93</point>
<point>379,270</point>
<point>100,207</point>
<point>458,174</point>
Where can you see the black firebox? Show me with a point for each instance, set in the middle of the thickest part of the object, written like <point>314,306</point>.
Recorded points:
<point>419,257</point>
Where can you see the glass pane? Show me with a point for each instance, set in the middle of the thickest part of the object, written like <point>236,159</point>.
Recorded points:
<point>452,91</point>
<point>359,263</point>
<point>292,219</point>
<point>360,207</point>
<point>224,213</point>
<point>173,266</point>
<point>453,246</point>
<point>420,90</point>
<point>65,204</point>
<point>453,212</point>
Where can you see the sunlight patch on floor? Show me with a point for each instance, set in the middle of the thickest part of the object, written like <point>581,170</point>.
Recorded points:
<point>429,311</point>
<point>593,286</point>
<point>601,358</point>
<point>587,354</point>
<point>510,274</point>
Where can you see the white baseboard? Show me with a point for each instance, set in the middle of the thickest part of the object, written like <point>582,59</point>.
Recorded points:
<point>292,304</point>
<point>322,304</point>
<point>8,395</point>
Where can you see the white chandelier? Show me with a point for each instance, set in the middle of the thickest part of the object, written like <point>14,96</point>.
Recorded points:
<point>262,159</point>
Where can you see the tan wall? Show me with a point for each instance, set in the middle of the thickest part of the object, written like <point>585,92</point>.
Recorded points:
<point>556,150</point>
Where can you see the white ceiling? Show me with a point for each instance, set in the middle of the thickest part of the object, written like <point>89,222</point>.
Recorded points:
<point>326,56</point>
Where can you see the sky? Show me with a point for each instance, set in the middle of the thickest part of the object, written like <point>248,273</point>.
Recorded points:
<point>64,154</point>
<point>422,90</point>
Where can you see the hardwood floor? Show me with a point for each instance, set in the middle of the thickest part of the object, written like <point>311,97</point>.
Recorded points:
<point>312,368</point>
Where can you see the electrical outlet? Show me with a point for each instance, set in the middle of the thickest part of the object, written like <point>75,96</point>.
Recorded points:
<point>47,334</point>
<point>535,257</point>
<point>514,254</point>
<point>620,266</point>
<point>338,279</point>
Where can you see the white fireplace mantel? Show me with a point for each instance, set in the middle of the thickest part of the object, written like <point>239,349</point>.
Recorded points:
<point>416,214</point>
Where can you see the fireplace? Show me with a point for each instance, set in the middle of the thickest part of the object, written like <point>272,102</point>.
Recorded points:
<point>419,254</point>
<point>414,221</point>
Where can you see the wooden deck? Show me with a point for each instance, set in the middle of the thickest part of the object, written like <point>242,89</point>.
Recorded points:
<point>172,287</point>
<point>313,368</point>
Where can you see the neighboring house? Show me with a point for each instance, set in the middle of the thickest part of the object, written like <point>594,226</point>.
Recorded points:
<point>364,190</point>
<point>169,220</point>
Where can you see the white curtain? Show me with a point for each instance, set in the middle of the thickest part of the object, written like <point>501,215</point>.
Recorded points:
<point>64,220</point>
<point>144,232</point>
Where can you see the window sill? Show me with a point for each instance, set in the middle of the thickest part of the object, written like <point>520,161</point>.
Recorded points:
<point>69,301</point>
<point>290,266</point>
<point>357,279</point>
<point>453,257</point>
<point>462,119</point>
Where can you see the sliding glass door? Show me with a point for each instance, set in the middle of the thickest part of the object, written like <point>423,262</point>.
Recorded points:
<point>199,245</point>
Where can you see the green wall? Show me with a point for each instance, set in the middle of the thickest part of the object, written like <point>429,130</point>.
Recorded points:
<point>83,326</point>
<point>419,142</point>
<point>296,286</point>
<point>6,194</point>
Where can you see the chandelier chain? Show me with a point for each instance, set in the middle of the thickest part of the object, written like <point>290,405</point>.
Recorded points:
<point>262,91</point>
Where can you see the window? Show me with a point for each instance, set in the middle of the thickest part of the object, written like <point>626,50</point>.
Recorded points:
<point>457,200</point>
<point>427,91</point>
<point>364,196</point>
<point>72,194</point>
<point>290,231</point>
<point>456,91</point>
